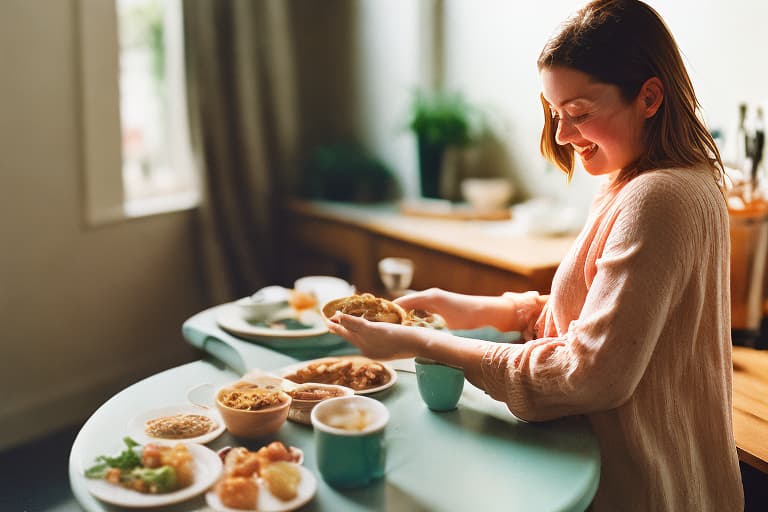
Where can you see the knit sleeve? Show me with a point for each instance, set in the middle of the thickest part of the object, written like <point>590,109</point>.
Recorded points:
<point>644,261</point>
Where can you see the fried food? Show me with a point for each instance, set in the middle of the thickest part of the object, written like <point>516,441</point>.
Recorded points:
<point>241,462</point>
<point>358,373</point>
<point>238,492</point>
<point>275,464</point>
<point>371,308</point>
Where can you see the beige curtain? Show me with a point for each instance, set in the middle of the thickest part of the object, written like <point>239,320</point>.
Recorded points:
<point>242,110</point>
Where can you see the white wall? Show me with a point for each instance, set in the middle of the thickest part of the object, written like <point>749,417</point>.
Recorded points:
<point>83,311</point>
<point>493,46</point>
<point>490,55</point>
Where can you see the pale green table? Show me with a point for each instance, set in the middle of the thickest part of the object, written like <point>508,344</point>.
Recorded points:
<point>476,458</point>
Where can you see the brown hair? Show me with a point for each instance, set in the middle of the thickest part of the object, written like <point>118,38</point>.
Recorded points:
<point>624,43</point>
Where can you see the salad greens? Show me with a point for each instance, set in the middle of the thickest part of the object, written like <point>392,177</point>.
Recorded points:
<point>127,460</point>
<point>127,470</point>
<point>162,479</point>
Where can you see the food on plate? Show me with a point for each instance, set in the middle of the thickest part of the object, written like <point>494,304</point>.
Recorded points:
<point>358,373</point>
<point>180,426</point>
<point>302,300</point>
<point>151,469</point>
<point>275,465</point>
<point>421,318</point>
<point>366,305</point>
<point>238,492</point>
<point>314,392</point>
<point>244,396</point>
<point>282,479</point>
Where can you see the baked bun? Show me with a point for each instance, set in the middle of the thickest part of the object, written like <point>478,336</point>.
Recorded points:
<point>366,305</point>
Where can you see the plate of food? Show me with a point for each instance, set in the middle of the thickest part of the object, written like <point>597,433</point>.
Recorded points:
<point>270,479</point>
<point>377,309</point>
<point>361,374</point>
<point>175,423</point>
<point>286,322</point>
<point>152,475</point>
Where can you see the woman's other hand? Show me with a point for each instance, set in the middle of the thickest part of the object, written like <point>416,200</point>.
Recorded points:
<point>378,340</point>
<point>508,312</point>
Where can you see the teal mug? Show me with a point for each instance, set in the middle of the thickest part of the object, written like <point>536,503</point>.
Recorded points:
<point>440,386</point>
<point>349,440</point>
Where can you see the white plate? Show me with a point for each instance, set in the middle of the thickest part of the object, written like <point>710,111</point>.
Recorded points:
<point>207,468</point>
<point>268,502</point>
<point>138,423</point>
<point>231,319</point>
<point>287,370</point>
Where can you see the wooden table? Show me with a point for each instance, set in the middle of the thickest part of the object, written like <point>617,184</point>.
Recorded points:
<point>750,406</point>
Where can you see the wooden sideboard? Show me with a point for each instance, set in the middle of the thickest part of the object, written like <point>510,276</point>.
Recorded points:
<point>476,257</point>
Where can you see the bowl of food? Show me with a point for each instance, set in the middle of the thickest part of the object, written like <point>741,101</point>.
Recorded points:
<point>306,396</point>
<point>368,306</point>
<point>323,288</point>
<point>252,410</point>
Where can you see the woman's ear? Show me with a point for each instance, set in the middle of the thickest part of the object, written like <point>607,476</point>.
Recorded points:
<point>651,96</point>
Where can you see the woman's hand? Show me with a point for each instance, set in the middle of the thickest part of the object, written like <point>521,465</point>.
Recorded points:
<point>378,340</point>
<point>508,312</point>
<point>453,307</point>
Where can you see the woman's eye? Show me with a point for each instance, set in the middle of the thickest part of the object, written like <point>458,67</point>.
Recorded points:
<point>579,119</point>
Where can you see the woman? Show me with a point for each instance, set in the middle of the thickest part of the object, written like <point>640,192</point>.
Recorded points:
<point>636,331</point>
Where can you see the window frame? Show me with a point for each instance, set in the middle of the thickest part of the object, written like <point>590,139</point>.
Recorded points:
<point>103,194</point>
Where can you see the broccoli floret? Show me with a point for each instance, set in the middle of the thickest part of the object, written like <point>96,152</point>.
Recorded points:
<point>158,480</point>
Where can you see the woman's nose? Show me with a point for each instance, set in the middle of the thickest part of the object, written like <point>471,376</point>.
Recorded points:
<point>565,132</point>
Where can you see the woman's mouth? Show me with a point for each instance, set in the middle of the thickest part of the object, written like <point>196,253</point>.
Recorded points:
<point>587,152</point>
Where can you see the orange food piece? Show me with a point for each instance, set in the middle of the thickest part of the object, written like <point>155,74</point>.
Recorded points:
<point>301,300</point>
<point>238,492</point>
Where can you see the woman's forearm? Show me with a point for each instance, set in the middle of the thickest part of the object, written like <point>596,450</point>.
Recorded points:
<point>464,353</point>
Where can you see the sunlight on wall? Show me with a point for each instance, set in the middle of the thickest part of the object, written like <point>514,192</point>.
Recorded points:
<point>490,55</point>
<point>388,73</point>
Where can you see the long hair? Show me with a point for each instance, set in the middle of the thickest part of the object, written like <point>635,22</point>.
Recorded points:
<point>624,43</point>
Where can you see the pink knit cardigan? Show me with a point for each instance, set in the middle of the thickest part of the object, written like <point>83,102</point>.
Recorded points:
<point>636,336</point>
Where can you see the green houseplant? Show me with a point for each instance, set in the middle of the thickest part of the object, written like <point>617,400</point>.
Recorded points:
<point>439,120</point>
<point>347,172</point>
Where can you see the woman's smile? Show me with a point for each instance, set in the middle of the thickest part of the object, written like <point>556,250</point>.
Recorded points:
<point>585,152</point>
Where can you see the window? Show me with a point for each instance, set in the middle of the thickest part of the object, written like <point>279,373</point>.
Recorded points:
<point>137,159</point>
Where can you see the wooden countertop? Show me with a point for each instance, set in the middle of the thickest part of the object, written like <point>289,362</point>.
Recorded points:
<point>750,406</point>
<point>488,242</point>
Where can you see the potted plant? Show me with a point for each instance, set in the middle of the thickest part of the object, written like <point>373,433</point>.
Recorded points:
<point>347,172</point>
<point>439,120</point>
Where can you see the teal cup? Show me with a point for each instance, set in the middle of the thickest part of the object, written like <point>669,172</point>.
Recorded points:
<point>440,386</point>
<point>349,440</point>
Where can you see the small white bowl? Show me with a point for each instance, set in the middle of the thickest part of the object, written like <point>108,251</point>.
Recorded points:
<point>487,193</point>
<point>324,288</point>
<point>264,303</point>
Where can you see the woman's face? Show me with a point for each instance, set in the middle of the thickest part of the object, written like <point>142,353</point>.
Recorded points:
<point>603,130</point>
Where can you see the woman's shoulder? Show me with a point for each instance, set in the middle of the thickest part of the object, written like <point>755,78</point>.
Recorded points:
<point>674,199</point>
<point>691,186</point>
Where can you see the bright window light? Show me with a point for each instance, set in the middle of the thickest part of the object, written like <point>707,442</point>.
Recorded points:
<point>157,172</point>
